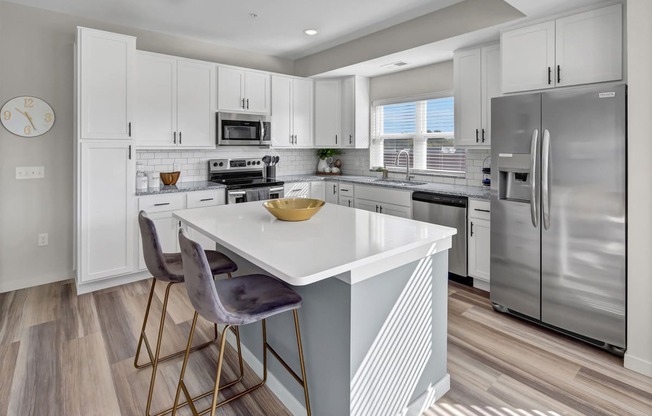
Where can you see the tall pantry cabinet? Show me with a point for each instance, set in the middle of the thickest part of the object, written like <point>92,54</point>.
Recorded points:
<point>104,156</point>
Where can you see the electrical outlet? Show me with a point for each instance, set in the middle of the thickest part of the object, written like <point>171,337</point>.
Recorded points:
<point>42,239</point>
<point>33,172</point>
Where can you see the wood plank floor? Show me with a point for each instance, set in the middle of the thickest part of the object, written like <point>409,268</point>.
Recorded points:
<point>63,354</point>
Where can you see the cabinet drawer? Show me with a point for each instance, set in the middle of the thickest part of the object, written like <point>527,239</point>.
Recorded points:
<point>346,190</point>
<point>161,203</point>
<point>480,209</point>
<point>389,196</point>
<point>205,198</point>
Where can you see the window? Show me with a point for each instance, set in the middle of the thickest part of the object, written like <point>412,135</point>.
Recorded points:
<point>425,128</point>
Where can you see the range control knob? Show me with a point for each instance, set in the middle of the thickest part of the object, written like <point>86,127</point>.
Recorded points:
<point>248,163</point>
<point>221,164</point>
<point>258,162</point>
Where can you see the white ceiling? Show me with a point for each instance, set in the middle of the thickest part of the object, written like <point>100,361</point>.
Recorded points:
<point>278,28</point>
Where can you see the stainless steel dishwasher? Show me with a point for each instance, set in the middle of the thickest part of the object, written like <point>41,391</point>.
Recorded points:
<point>449,211</point>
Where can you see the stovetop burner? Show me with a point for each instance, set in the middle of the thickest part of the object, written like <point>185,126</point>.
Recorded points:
<point>239,173</point>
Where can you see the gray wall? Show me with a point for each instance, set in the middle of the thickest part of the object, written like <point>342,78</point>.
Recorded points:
<point>417,81</point>
<point>36,58</point>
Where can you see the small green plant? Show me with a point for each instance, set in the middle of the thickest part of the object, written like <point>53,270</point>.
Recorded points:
<point>326,153</point>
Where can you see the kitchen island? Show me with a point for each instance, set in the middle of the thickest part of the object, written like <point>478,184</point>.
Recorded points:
<point>374,316</point>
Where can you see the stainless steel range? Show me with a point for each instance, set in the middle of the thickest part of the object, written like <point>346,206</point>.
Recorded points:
<point>244,180</point>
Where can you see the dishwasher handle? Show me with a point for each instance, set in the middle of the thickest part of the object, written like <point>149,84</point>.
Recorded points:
<point>441,199</point>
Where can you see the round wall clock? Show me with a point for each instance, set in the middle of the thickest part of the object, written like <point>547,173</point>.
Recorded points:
<point>27,116</point>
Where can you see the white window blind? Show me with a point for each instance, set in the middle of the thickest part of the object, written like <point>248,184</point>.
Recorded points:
<point>425,128</point>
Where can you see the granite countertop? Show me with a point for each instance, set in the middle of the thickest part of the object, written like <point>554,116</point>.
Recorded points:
<point>182,187</point>
<point>476,192</point>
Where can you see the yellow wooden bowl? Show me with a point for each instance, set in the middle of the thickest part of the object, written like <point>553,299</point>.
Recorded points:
<point>293,209</point>
<point>170,178</point>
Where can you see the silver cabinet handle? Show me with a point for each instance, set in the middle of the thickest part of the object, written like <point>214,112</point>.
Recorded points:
<point>376,208</point>
<point>476,135</point>
<point>534,203</point>
<point>349,203</point>
<point>336,139</point>
<point>179,137</point>
<point>205,199</point>
<point>350,139</point>
<point>162,204</point>
<point>291,139</point>
<point>344,189</point>
<point>334,189</point>
<point>129,125</point>
<point>482,135</point>
<point>481,210</point>
<point>174,137</point>
<point>243,103</point>
<point>381,208</point>
<point>558,74</point>
<point>129,152</point>
<point>471,228</point>
<point>545,179</point>
<point>247,103</point>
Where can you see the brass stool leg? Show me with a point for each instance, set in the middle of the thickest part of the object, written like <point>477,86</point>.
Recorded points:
<point>303,367</point>
<point>142,331</point>
<point>183,371</point>
<point>220,362</point>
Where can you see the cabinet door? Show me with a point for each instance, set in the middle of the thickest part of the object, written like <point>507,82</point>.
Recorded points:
<point>590,47</point>
<point>155,102</point>
<point>362,110</point>
<point>106,63</point>
<point>318,190</point>
<point>366,205</point>
<point>257,92</point>
<point>528,58</point>
<point>107,186</point>
<point>167,229</point>
<point>479,248</point>
<point>395,210</point>
<point>468,97</point>
<point>332,193</point>
<point>327,113</point>
<point>347,201</point>
<point>348,112</point>
<point>302,106</point>
<point>282,135</point>
<point>229,89</point>
<point>195,113</point>
<point>490,88</point>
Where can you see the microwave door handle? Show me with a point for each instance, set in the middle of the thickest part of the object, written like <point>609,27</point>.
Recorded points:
<point>262,131</point>
<point>534,203</point>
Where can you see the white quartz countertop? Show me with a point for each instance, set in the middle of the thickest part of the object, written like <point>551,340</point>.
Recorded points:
<point>336,240</point>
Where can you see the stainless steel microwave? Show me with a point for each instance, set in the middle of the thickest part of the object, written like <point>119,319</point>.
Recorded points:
<point>243,130</point>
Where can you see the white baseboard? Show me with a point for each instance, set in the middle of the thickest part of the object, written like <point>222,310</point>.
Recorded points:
<point>638,364</point>
<point>293,405</point>
<point>428,398</point>
<point>11,285</point>
<point>88,287</point>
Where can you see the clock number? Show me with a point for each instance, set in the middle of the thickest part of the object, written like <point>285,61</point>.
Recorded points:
<point>27,130</point>
<point>48,117</point>
<point>29,102</point>
<point>7,115</point>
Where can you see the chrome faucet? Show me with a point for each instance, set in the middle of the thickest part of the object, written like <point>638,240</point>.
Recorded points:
<point>407,165</point>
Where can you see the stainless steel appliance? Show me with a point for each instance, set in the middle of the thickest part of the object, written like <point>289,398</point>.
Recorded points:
<point>243,130</point>
<point>244,180</point>
<point>558,211</point>
<point>445,210</point>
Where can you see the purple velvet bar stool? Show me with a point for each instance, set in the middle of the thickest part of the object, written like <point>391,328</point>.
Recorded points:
<point>238,301</point>
<point>168,268</point>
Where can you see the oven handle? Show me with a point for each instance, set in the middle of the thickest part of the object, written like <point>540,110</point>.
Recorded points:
<point>237,192</point>
<point>280,188</point>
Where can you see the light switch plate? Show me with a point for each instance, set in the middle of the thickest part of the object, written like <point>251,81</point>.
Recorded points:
<point>31,172</point>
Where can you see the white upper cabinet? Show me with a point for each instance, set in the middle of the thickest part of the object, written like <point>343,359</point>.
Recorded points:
<point>105,76</point>
<point>355,112</point>
<point>328,112</point>
<point>528,58</point>
<point>477,81</point>
<point>292,106</point>
<point>241,91</point>
<point>578,49</point>
<point>589,46</point>
<point>174,102</point>
<point>195,96</point>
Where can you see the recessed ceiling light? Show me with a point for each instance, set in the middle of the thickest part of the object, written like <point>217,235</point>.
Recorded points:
<point>310,32</point>
<point>394,64</point>
<point>253,15</point>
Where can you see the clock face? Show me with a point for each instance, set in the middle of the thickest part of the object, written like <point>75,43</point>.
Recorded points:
<point>27,116</point>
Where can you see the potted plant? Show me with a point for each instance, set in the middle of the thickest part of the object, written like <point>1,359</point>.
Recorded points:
<point>326,158</point>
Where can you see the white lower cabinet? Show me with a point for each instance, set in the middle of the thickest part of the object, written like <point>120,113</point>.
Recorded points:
<point>318,190</point>
<point>479,255</point>
<point>347,201</point>
<point>332,193</point>
<point>297,190</point>
<point>106,188</point>
<point>384,201</point>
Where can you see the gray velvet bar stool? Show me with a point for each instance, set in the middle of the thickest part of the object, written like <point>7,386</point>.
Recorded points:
<point>238,301</point>
<point>168,268</point>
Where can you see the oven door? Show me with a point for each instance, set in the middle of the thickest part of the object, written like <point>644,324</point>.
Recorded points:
<point>239,196</point>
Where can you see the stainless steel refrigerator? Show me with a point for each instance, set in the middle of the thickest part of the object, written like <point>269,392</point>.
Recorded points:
<point>558,211</point>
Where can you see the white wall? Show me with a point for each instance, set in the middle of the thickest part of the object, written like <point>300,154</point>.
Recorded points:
<point>412,82</point>
<point>639,262</point>
<point>36,58</point>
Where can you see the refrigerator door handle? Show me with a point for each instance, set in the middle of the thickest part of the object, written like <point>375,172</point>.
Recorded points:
<point>534,203</point>
<point>545,179</point>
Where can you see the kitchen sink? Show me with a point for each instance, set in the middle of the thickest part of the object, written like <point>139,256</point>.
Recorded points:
<point>398,182</point>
